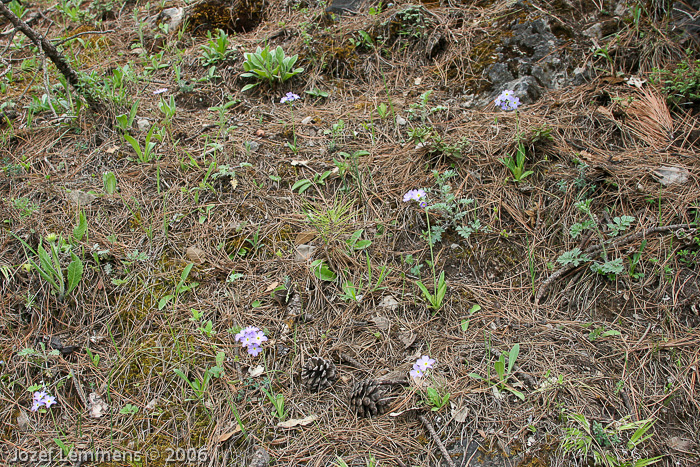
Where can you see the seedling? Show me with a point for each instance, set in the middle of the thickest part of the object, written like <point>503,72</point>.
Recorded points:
<point>200,386</point>
<point>180,288</point>
<point>465,322</point>
<point>503,371</point>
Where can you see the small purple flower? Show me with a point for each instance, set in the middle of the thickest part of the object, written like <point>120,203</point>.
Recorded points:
<point>42,399</point>
<point>416,373</point>
<point>249,332</point>
<point>259,338</point>
<point>251,338</point>
<point>507,100</point>
<point>49,401</point>
<point>247,341</point>
<point>290,97</point>
<point>418,195</point>
<point>424,363</point>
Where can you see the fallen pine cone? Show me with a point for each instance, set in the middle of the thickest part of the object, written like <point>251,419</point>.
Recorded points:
<point>318,374</point>
<point>367,398</point>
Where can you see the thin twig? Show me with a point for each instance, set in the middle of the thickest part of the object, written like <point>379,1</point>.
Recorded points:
<point>352,362</point>
<point>79,388</point>
<point>600,247</point>
<point>428,426</point>
<point>63,41</point>
<point>56,57</point>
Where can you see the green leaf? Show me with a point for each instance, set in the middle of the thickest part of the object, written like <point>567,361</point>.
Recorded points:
<point>574,257</point>
<point>428,296</point>
<point>74,272</point>
<point>183,276</point>
<point>362,244</point>
<point>321,271</point>
<point>81,228</point>
<point>302,185</point>
<point>500,367</point>
<point>248,86</point>
<point>134,144</point>
<point>516,393</point>
<point>164,301</point>
<point>279,54</point>
<point>182,375</point>
<point>512,356</point>
<point>109,182</point>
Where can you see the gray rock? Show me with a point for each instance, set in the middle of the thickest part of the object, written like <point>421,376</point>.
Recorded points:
<point>81,198</point>
<point>252,146</point>
<point>526,88</point>
<point>172,17</point>
<point>143,124</point>
<point>498,74</point>
<point>594,32</point>
<point>304,252</point>
<point>671,175</point>
<point>339,7</point>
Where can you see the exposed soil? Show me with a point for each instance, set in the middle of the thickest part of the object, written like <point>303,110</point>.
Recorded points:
<point>218,231</point>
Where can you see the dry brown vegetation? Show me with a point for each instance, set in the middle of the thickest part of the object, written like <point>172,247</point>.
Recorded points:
<point>218,196</point>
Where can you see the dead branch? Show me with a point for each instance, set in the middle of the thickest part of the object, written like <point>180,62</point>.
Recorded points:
<point>429,426</point>
<point>598,248</point>
<point>56,57</point>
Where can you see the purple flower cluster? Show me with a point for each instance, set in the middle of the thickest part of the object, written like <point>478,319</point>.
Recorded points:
<point>42,399</point>
<point>251,338</point>
<point>290,97</point>
<point>418,195</point>
<point>507,100</point>
<point>421,366</point>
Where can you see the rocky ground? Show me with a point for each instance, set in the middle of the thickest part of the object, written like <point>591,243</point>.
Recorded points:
<point>545,270</point>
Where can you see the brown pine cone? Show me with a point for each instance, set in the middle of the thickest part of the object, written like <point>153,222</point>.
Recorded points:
<point>367,398</point>
<point>318,374</point>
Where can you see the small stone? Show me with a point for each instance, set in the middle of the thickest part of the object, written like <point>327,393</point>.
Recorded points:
<point>173,17</point>
<point>23,421</point>
<point>594,32</point>
<point>382,323</point>
<point>304,252</point>
<point>389,302</point>
<point>252,146</point>
<point>260,458</point>
<point>400,120</point>
<point>81,198</point>
<point>671,175</point>
<point>97,407</point>
<point>307,120</point>
<point>143,124</point>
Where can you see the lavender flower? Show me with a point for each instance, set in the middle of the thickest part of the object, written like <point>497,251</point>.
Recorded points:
<point>290,97</point>
<point>49,401</point>
<point>42,399</point>
<point>418,195</point>
<point>424,363</point>
<point>421,367</point>
<point>251,338</point>
<point>507,100</point>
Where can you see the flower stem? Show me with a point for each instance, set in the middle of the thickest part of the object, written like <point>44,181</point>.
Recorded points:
<point>430,244</point>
